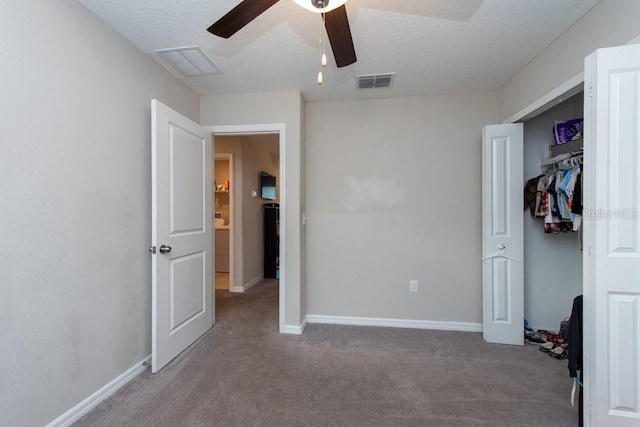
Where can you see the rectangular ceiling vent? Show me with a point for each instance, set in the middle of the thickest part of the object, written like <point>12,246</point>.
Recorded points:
<point>188,61</point>
<point>375,81</point>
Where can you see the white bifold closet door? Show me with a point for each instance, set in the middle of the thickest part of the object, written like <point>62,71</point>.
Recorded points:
<point>612,237</point>
<point>502,234</point>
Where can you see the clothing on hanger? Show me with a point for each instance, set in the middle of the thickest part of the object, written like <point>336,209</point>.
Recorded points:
<point>530,193</point>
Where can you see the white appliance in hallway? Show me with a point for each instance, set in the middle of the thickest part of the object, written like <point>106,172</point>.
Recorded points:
<point>222,244</point>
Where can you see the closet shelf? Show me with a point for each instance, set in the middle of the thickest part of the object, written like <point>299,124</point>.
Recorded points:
<point>567,147</point>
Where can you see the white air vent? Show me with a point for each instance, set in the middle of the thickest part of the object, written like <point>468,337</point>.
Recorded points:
<point>375,81</point>
<point>188,61</point>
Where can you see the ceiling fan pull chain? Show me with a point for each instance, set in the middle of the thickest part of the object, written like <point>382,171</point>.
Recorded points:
<point>323,58</point>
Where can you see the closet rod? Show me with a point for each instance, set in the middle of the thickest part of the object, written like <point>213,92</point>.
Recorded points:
<point>563,161</point>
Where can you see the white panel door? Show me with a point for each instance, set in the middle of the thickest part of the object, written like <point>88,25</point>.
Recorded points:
<point>182,222</point>
<point>502,234</point>
<point>612,235</point>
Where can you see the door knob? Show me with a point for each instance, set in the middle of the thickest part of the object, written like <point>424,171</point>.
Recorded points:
<point>164,249</point>
<point>500,247</point>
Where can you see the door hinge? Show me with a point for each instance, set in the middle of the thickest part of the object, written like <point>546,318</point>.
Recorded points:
<point>152,250</point>
<point>590,91</point>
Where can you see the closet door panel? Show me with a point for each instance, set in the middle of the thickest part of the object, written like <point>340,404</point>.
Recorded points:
<point>502,234</point>
<point>501,307</point>
<point>624,155</point>
<point>624,309</point>
<point>499,186</point>
<point>612,235</point>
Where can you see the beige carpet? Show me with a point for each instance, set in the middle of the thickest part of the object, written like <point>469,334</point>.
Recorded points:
<point>244,373</point>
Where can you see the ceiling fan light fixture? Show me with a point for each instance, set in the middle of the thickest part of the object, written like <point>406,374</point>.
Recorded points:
<point>316,6</point>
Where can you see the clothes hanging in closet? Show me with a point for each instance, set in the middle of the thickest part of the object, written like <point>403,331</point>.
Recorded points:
<point>554,199</point>
<point>531,198</point>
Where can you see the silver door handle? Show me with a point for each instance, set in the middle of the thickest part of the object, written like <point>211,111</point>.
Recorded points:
<point>164,249</point>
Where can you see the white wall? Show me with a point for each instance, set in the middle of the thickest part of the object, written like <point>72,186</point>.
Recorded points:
<point>263,155</point>
<point>609,23</point>
<point>552,262</point>
<point>75,187</point>
<point>274,108</point>
<point>393,194</point>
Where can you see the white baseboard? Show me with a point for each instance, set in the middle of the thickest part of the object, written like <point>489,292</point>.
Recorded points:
<point>247,285</point>
<point>253,281</point>
<point>295,330</point>
<point>394,323</point>
<point>82,408</point>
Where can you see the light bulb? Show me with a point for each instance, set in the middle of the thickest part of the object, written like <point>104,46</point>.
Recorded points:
<point>323,61</point>
<point>319,77</point>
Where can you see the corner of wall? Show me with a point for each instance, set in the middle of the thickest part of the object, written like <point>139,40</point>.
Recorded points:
<point>609,23</point>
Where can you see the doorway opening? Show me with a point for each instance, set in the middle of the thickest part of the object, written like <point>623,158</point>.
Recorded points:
<point>242,154</point>
<point>223,209</point>
<point>553,255</point>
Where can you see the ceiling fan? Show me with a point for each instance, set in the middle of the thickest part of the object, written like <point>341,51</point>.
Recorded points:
<point>335,22</point>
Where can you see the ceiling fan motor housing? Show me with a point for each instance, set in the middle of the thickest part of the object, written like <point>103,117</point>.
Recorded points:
<point>320,4</point>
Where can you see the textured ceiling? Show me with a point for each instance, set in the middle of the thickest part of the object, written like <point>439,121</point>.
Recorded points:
<point>434,46</point>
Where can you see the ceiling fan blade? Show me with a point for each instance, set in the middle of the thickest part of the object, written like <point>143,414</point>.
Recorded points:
<point>339,33</point>
<point>239,16</point>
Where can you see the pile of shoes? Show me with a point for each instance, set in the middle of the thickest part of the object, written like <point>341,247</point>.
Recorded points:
<point>536,337</point>
<point>555,345</point>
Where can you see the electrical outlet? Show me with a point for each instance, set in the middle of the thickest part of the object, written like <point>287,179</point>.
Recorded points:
<point>413,286</point>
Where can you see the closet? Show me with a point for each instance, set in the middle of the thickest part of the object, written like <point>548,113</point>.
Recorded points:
<point>552,262</point>
<point>513,242</point>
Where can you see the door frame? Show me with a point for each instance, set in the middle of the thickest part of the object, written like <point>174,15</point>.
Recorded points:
<point>539,106</point>
<point>277,128</point>
<point>229,158</point>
